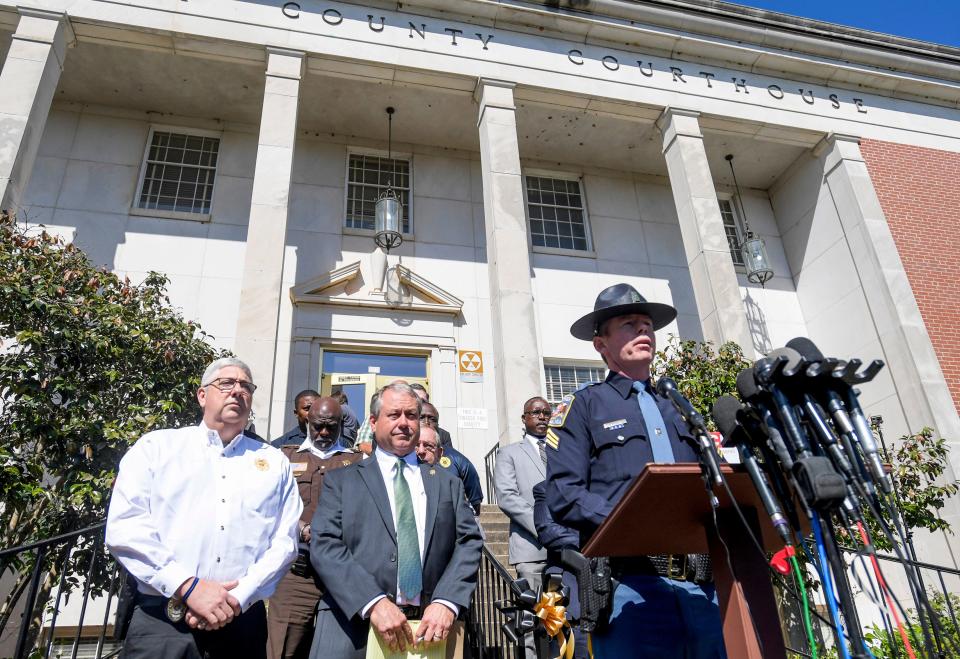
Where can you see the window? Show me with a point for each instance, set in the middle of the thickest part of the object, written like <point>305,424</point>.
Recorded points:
<point>178,172</point>
<point>566,379</point>
<point>557,216</point>
<point>733,227</point>
<point>367,178</point>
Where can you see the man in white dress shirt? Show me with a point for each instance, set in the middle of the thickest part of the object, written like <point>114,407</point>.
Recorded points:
<point>392,540</point>
<point>205,519</point>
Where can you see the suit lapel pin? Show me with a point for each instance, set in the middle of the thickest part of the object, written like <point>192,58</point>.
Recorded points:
<point>433,472</point>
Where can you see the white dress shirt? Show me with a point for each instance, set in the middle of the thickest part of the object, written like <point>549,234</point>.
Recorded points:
<point>185,505</point>
<point>534,440</point>
<point>308,445</point>
<point>411,471</point>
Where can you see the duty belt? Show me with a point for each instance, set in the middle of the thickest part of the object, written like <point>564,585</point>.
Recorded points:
<point>679,567</point>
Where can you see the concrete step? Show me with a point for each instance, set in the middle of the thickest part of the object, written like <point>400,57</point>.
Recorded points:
<point>496,537</point>
<point>490,508</point>
<point>493,517</point>
<point>498,548</point>
<point>499,525</point>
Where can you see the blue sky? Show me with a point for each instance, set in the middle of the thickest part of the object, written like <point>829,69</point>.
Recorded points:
<point>929,20</point>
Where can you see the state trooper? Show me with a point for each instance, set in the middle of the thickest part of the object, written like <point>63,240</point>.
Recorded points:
<point>294,604</point>
<point>600,439</point>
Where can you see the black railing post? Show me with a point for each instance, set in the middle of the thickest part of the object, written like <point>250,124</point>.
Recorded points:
<point>94,554</point>
<point>490,463</point>
<point>29,604</point>
<point>56,606</point>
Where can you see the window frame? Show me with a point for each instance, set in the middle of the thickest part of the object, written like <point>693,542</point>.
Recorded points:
<point>382,153</point>
<point>135,209</point>
<point>738,226</point>
<point>570,363</point>
<point>590,252</point>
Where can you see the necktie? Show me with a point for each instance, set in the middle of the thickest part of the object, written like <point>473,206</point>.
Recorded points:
<point>409,570</point>
<point>541,446</point>
<point>656,428</point>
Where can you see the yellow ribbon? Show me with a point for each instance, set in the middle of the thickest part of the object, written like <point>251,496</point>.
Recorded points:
<point>554,618</point>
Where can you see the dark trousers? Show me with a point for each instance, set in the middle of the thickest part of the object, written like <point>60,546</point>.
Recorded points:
<point>152,636</point>
<point>290,615</point>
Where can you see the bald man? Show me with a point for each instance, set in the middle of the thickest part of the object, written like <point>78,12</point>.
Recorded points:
<point>292,607</point>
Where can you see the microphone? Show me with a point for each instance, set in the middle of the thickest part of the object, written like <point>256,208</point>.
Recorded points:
<point>667,388</point>
<point>725,411</point>
<point>766,371</point>
<point>857,428</point>
<point>749,391</point>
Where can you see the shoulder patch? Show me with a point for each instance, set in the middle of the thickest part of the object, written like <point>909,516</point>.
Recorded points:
<point>560,414</point>
<point>445,462</point>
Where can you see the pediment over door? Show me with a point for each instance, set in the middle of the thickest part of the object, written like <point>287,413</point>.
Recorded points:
<point>404,290</point>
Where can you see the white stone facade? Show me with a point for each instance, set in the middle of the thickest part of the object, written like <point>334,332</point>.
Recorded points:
<point>486,93</point>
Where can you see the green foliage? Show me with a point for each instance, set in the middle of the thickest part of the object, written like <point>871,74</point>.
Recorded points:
<point>88,363</point>
<point>702,373</point>
<point>920,460</point>
<point>889,645</point>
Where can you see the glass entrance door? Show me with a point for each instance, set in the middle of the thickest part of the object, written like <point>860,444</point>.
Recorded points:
<point>359,375</point>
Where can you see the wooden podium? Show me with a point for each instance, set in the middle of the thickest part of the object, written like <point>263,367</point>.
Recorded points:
<point>666,511</point>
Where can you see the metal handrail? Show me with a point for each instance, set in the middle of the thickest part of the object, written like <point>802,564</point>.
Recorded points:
<point>55,540</point>
<point>490,463</point>
<point>43,551</point>
<point>484,634</point>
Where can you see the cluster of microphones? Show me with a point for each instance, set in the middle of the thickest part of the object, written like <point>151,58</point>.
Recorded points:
<point>811,454</point>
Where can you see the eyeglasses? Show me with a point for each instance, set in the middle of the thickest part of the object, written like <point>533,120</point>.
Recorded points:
<point>429,417</point>
<point>539,413</point>
<point>226,385</point>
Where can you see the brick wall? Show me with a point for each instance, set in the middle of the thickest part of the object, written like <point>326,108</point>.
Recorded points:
<point>919,190</point>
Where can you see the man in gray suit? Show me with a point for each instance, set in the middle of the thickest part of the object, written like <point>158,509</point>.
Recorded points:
<point>519,468</point>
<point>392,541</point>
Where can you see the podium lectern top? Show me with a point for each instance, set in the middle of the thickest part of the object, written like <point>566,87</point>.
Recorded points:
<point>667,511</point>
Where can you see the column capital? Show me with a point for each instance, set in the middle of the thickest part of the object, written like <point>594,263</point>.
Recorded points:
<point>48,27</point>
<point>837,147</point>
<point>285,63</point>
<point>674,122</point>
<point>491,93</point>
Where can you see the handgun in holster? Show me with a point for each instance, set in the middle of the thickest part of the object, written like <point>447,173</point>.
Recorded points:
<point>595,585</point>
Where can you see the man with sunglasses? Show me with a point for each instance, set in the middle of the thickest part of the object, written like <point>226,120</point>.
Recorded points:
<point>520,467</point>
<point>205,519</point>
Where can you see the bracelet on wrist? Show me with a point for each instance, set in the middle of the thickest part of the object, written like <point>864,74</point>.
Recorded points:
<point>196,580</point>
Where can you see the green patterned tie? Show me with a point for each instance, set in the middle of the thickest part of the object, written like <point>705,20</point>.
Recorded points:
<point>409,570</point>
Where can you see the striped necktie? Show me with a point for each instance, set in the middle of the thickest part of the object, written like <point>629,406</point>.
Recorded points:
<point>409,569</point>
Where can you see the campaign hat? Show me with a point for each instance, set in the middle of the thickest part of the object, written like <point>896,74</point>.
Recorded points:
<point>620,300</point>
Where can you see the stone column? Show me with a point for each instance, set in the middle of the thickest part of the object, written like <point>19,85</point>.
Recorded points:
<point>28,81</point>
<point>260,296</point>
<point>712,274</point>
<point>516,357</point>
<point>908,351</point>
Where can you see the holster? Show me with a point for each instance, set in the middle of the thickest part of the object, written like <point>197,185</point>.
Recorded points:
<point>595,587</point>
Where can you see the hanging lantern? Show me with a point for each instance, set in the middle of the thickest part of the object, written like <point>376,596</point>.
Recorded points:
<point>755,260</point>
<point>388,213</point>
<point>752,248</point>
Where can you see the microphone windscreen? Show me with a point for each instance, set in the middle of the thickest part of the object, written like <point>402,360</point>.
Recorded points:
<point>747,384</point>
<point>807,348</point>
<point>725,415</point>
<point>794,358</point>
<point>664,385</point>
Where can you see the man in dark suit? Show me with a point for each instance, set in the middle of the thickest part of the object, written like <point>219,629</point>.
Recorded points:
<point>392,541</point>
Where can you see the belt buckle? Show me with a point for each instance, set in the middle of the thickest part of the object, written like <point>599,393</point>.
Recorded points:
<point>680,574</point>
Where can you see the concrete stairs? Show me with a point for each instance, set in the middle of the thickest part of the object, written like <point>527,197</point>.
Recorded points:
<point>496,527</point>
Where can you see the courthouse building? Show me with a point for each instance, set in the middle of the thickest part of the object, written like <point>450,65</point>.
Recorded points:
<point>541,150</point>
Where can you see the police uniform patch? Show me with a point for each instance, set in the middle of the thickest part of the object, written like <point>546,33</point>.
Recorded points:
<point>298,467</point>
<point>552,439</point>
<point>262,464</point>
<point>445,462</point>
<point>560,414</point>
